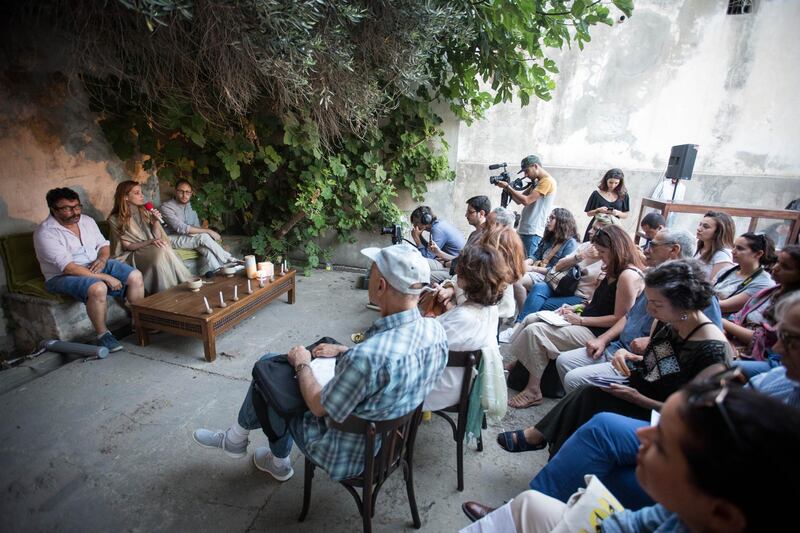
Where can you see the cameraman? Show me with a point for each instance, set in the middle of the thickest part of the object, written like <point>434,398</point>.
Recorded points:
<point>537,200</point>
<point>445,244</point>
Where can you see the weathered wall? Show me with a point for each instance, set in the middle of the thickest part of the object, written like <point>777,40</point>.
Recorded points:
<point>48,138</point>
<point>677,72</point>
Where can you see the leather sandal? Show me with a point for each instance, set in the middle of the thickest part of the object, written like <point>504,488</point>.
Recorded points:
<point>507,442</point>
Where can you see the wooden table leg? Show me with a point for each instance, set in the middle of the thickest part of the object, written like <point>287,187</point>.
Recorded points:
<point>291,293</point>
<point>144,338</point>
<point>209,343</point>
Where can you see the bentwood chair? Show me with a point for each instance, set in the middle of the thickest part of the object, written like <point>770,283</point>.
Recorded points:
<point>396,439</point>
<point>468,361</point>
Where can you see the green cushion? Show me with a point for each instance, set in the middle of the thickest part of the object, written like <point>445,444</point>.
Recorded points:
<point>187,253</point>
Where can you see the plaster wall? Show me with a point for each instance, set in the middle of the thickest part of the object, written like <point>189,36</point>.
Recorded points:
<point>48,138</point>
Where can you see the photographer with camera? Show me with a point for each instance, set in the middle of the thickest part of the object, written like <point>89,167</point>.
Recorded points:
<point>445,243</point>
<point>536,199</point>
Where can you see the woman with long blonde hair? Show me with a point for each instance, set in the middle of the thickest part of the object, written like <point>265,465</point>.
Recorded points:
<point>138,239</point>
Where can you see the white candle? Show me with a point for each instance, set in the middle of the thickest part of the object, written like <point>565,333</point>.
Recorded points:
<point>208,307</point>
<point>221,300</point>
<point>235,292</point>
<point>268,268</point>
<point>249,289</point>
<point>250,266</point>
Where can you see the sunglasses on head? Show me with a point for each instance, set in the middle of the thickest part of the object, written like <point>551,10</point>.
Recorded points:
<point>712,393</point>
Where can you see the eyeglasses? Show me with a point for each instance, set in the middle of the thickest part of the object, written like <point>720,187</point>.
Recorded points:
<point>184,191</point>
<point>68,208</point>
<point>713,392</point>
<point>652,244</point>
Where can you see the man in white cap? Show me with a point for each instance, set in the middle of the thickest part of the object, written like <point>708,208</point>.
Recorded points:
<point>384,377</point>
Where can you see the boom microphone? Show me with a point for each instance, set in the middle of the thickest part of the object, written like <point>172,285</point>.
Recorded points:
<point>149,206</point>
<point>498,165</point>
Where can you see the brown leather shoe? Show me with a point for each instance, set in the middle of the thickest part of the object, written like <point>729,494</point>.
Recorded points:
<point>475,511</point>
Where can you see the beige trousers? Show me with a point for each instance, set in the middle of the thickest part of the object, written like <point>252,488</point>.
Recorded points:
<point>534,512</point>
<point>535,342</point>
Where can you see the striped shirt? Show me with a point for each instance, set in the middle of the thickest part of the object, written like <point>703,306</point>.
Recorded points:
<point>386,376</point>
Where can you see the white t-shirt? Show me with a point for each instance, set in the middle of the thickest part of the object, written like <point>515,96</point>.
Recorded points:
<point>720,256</point>
<point>725,288</point>
<point>468,326</point>
<point>664,189</point>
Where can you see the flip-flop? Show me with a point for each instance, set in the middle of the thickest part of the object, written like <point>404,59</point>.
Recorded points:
<point>507,442</point>
<point>531,403</point>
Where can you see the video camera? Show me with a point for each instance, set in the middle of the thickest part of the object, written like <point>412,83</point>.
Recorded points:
<point>517,184</point>
<point>395,231</point>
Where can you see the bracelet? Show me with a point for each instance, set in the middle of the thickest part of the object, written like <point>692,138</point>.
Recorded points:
<point>300,367</point>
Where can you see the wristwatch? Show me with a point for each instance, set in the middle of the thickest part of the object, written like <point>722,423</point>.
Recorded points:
<point>300,367</point>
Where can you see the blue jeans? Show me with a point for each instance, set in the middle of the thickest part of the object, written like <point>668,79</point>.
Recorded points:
<point>541,297</point>
<point>248,419</point>
<point>530,243</point>
<point>605,446</point>
<point>78,286</point>
<point>753,368</point>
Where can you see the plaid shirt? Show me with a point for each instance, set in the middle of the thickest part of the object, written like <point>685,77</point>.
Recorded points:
<point>386,376</point>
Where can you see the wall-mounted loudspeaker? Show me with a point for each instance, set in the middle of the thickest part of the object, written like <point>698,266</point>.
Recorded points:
<point>681,161</point>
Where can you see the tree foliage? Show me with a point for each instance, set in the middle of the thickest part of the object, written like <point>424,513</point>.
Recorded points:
<point>294,117</point>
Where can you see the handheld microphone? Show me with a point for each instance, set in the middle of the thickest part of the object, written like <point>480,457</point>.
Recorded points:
<point>149,206</point>
<point>496,166</point>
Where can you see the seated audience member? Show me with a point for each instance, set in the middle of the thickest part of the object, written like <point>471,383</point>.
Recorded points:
<point>445,243</point>
<point>74,258</point>
<point>185,231</point>
<point>386,376</point>
<point>684,343</point>
<point>500,235</point>
<point>541,295</point>
<point>715,235</point>
<point>753,256</point>
<point>560,240</point>
<point>578,367</point>
<point>486,266</point>
<point>478,208</point>
<point>713,444</point>
<point>138,239</point>
<point>606,446</point>
<point>751,330</point>
<point>611,198</point>
<point>534,342</point>
<point>651,224</point>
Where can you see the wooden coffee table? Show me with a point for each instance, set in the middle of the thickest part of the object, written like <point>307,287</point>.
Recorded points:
<point>180,311</point>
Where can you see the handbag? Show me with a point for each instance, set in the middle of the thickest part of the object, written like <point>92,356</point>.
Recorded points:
<point>588,507</point>
<point>563,282</point>
<point>275,384</point>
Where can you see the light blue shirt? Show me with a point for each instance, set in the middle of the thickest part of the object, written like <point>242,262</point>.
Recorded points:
<point>775,383</point>
<point>447,238</point>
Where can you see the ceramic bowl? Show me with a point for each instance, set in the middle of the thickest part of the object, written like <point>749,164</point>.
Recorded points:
<point>194,284</point>
<point>229,271</point>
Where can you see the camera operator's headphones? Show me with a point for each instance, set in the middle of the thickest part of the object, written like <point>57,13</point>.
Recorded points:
<point>425,217</point>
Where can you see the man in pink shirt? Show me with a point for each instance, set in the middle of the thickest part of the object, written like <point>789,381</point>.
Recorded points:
<point>74,258</point>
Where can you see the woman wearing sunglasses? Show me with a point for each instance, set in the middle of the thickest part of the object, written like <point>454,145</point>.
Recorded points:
<point>697,464</point>
<point>684,343</point>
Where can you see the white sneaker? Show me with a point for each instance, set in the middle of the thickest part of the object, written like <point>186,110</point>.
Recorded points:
<point>263,459</point>
<point>218,439</point>
<point>506,334</point>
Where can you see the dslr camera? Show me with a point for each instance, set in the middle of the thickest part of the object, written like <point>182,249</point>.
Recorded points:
<point>517,184</point>
<point>395,231</point>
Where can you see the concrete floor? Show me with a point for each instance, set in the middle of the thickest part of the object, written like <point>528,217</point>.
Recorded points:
<point>106,445</point>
